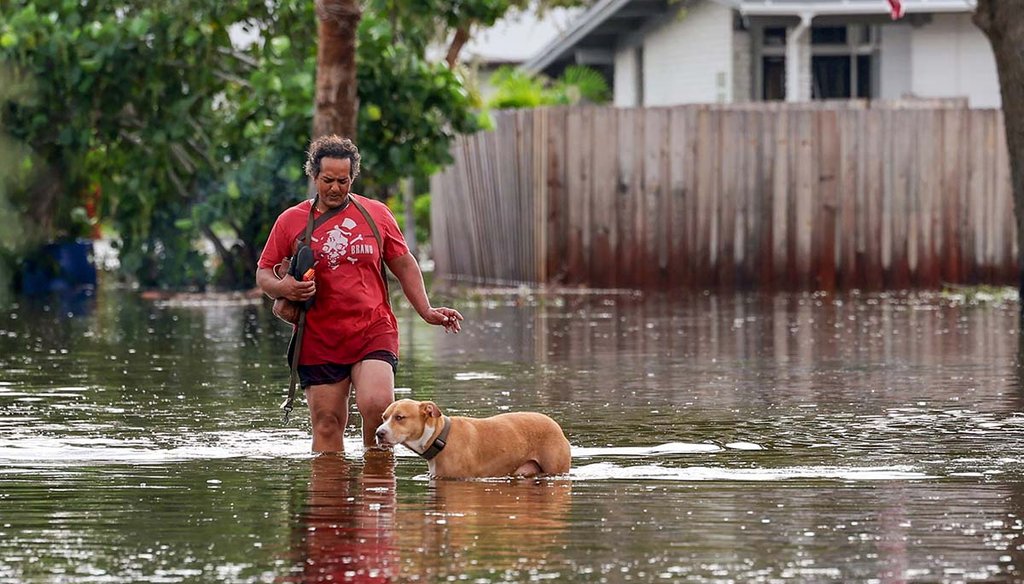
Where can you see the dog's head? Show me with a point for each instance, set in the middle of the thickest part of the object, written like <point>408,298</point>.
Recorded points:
<point>407,420</point>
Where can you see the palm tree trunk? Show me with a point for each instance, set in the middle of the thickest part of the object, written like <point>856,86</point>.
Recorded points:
<point>337,102</point>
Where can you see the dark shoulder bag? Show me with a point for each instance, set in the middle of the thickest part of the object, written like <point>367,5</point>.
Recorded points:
<point>288,310</point>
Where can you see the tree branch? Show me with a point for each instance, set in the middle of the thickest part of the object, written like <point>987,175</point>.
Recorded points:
<point>176,181</point>
<point>231,77</point>
<point>183,158</point>
<point>225,254</point>
<point>242,57</point>
<point>459,41</point>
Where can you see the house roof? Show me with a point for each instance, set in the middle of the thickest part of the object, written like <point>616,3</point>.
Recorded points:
<point>594,34</point>
<point>517,36</point>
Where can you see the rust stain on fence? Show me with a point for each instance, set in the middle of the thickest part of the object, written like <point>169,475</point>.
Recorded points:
<point>819,196</point>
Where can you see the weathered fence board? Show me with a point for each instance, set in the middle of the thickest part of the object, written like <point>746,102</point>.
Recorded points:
<point>627,258</point>
<point>815,196</point>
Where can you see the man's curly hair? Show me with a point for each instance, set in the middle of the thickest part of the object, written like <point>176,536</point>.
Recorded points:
<point>332,146</point>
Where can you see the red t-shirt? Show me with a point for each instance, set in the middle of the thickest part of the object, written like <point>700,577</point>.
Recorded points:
<point>350,316</point>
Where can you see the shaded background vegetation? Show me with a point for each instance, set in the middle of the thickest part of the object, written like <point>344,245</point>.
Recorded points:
<point>181,126</point>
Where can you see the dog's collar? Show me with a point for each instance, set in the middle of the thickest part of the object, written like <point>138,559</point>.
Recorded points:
<point>439,443</point>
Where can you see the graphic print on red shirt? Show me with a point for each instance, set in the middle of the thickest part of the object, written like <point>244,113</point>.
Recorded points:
<point>350,316</point>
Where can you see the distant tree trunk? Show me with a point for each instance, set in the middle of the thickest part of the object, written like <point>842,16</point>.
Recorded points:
<point>44,210</point>
<point>231,272</point>
<point>337,102</point>
<point>1002,21</point>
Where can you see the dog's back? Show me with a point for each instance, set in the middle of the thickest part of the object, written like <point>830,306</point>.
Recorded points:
<point>513,444</point>
<point>502,444</point>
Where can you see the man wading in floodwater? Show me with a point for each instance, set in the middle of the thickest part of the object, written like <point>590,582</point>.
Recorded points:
<point>351,334</point>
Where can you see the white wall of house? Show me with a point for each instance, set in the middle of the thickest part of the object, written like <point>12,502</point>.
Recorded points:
<point>950,57</point>
<point>689,58</point>
<point>697,57</point>
<point>895,47</point>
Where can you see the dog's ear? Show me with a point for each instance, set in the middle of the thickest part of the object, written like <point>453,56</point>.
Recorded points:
<point>430,409</point>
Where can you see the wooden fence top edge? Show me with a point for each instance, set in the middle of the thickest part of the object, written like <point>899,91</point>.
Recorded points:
<point>825,105</point>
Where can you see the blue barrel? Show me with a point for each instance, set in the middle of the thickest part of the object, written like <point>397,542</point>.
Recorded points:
<point>63,265</point>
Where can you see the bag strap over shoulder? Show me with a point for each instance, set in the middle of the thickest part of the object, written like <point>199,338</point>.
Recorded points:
<point>295,345</point>
<point>380,245</point>
<point>312,225</point>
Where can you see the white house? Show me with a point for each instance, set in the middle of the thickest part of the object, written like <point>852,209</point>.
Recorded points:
<point>667,52</point>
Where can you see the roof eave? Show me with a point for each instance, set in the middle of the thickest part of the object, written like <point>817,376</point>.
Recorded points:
<point>851,8</point>
<point>605,9</point>
<point>590,20</point>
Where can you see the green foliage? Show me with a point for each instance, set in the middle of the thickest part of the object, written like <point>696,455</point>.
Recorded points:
<point>123,99</point>
<point>262,133</point>
<point>168,258</point>
<point>423,21</point>
<point>15,165</point>
<point>188,136</point>
<point>577,85</point>
<point>410,109</point>
<point>421,214</point>
<point>517,89</point>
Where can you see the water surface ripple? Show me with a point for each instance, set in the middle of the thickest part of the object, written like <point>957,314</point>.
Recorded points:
<point>737,438</point>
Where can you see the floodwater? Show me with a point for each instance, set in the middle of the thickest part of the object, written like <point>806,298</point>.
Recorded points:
<point>736,438</point>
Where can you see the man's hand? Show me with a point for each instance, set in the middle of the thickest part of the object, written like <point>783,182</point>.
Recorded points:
<point>449,318</point>
<point>293,289</point>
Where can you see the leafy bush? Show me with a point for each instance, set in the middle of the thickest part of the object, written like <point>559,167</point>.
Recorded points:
<point>421,214</point>
<point>189,136</point>
<point>578,84</point>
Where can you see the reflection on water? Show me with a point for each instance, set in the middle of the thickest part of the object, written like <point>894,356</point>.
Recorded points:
<point>505,529</point>
<point>715,438</point>
<point>346,530</point>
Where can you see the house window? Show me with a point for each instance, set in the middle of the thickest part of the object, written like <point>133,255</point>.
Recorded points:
<point>769,73</point>
<point>828,35</point>
<point>842,62</point>
<point>773,78</point>
<point>830,77</point>
<point>841,77</point>
<point>774,36</point>
<point>864,76</point>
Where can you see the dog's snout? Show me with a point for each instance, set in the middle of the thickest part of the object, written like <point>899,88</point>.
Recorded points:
<point>381,432</point>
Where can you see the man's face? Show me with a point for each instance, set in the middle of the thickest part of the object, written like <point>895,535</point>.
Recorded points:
<point>334,181</point>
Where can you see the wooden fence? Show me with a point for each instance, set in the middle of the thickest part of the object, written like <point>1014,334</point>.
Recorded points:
<point>811,196</point>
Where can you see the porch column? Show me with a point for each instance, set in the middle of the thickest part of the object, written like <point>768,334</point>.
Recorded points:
<point>798,60</point>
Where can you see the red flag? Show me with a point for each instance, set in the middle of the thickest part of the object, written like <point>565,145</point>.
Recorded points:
<point>897,9</point>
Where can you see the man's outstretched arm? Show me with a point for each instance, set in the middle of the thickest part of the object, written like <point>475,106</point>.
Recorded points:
<point>407,270</point>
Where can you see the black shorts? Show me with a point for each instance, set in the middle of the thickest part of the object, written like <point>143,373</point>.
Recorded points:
<point>327,373</point>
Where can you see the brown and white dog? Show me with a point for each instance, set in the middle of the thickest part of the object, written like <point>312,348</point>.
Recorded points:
<point>514,444</point>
